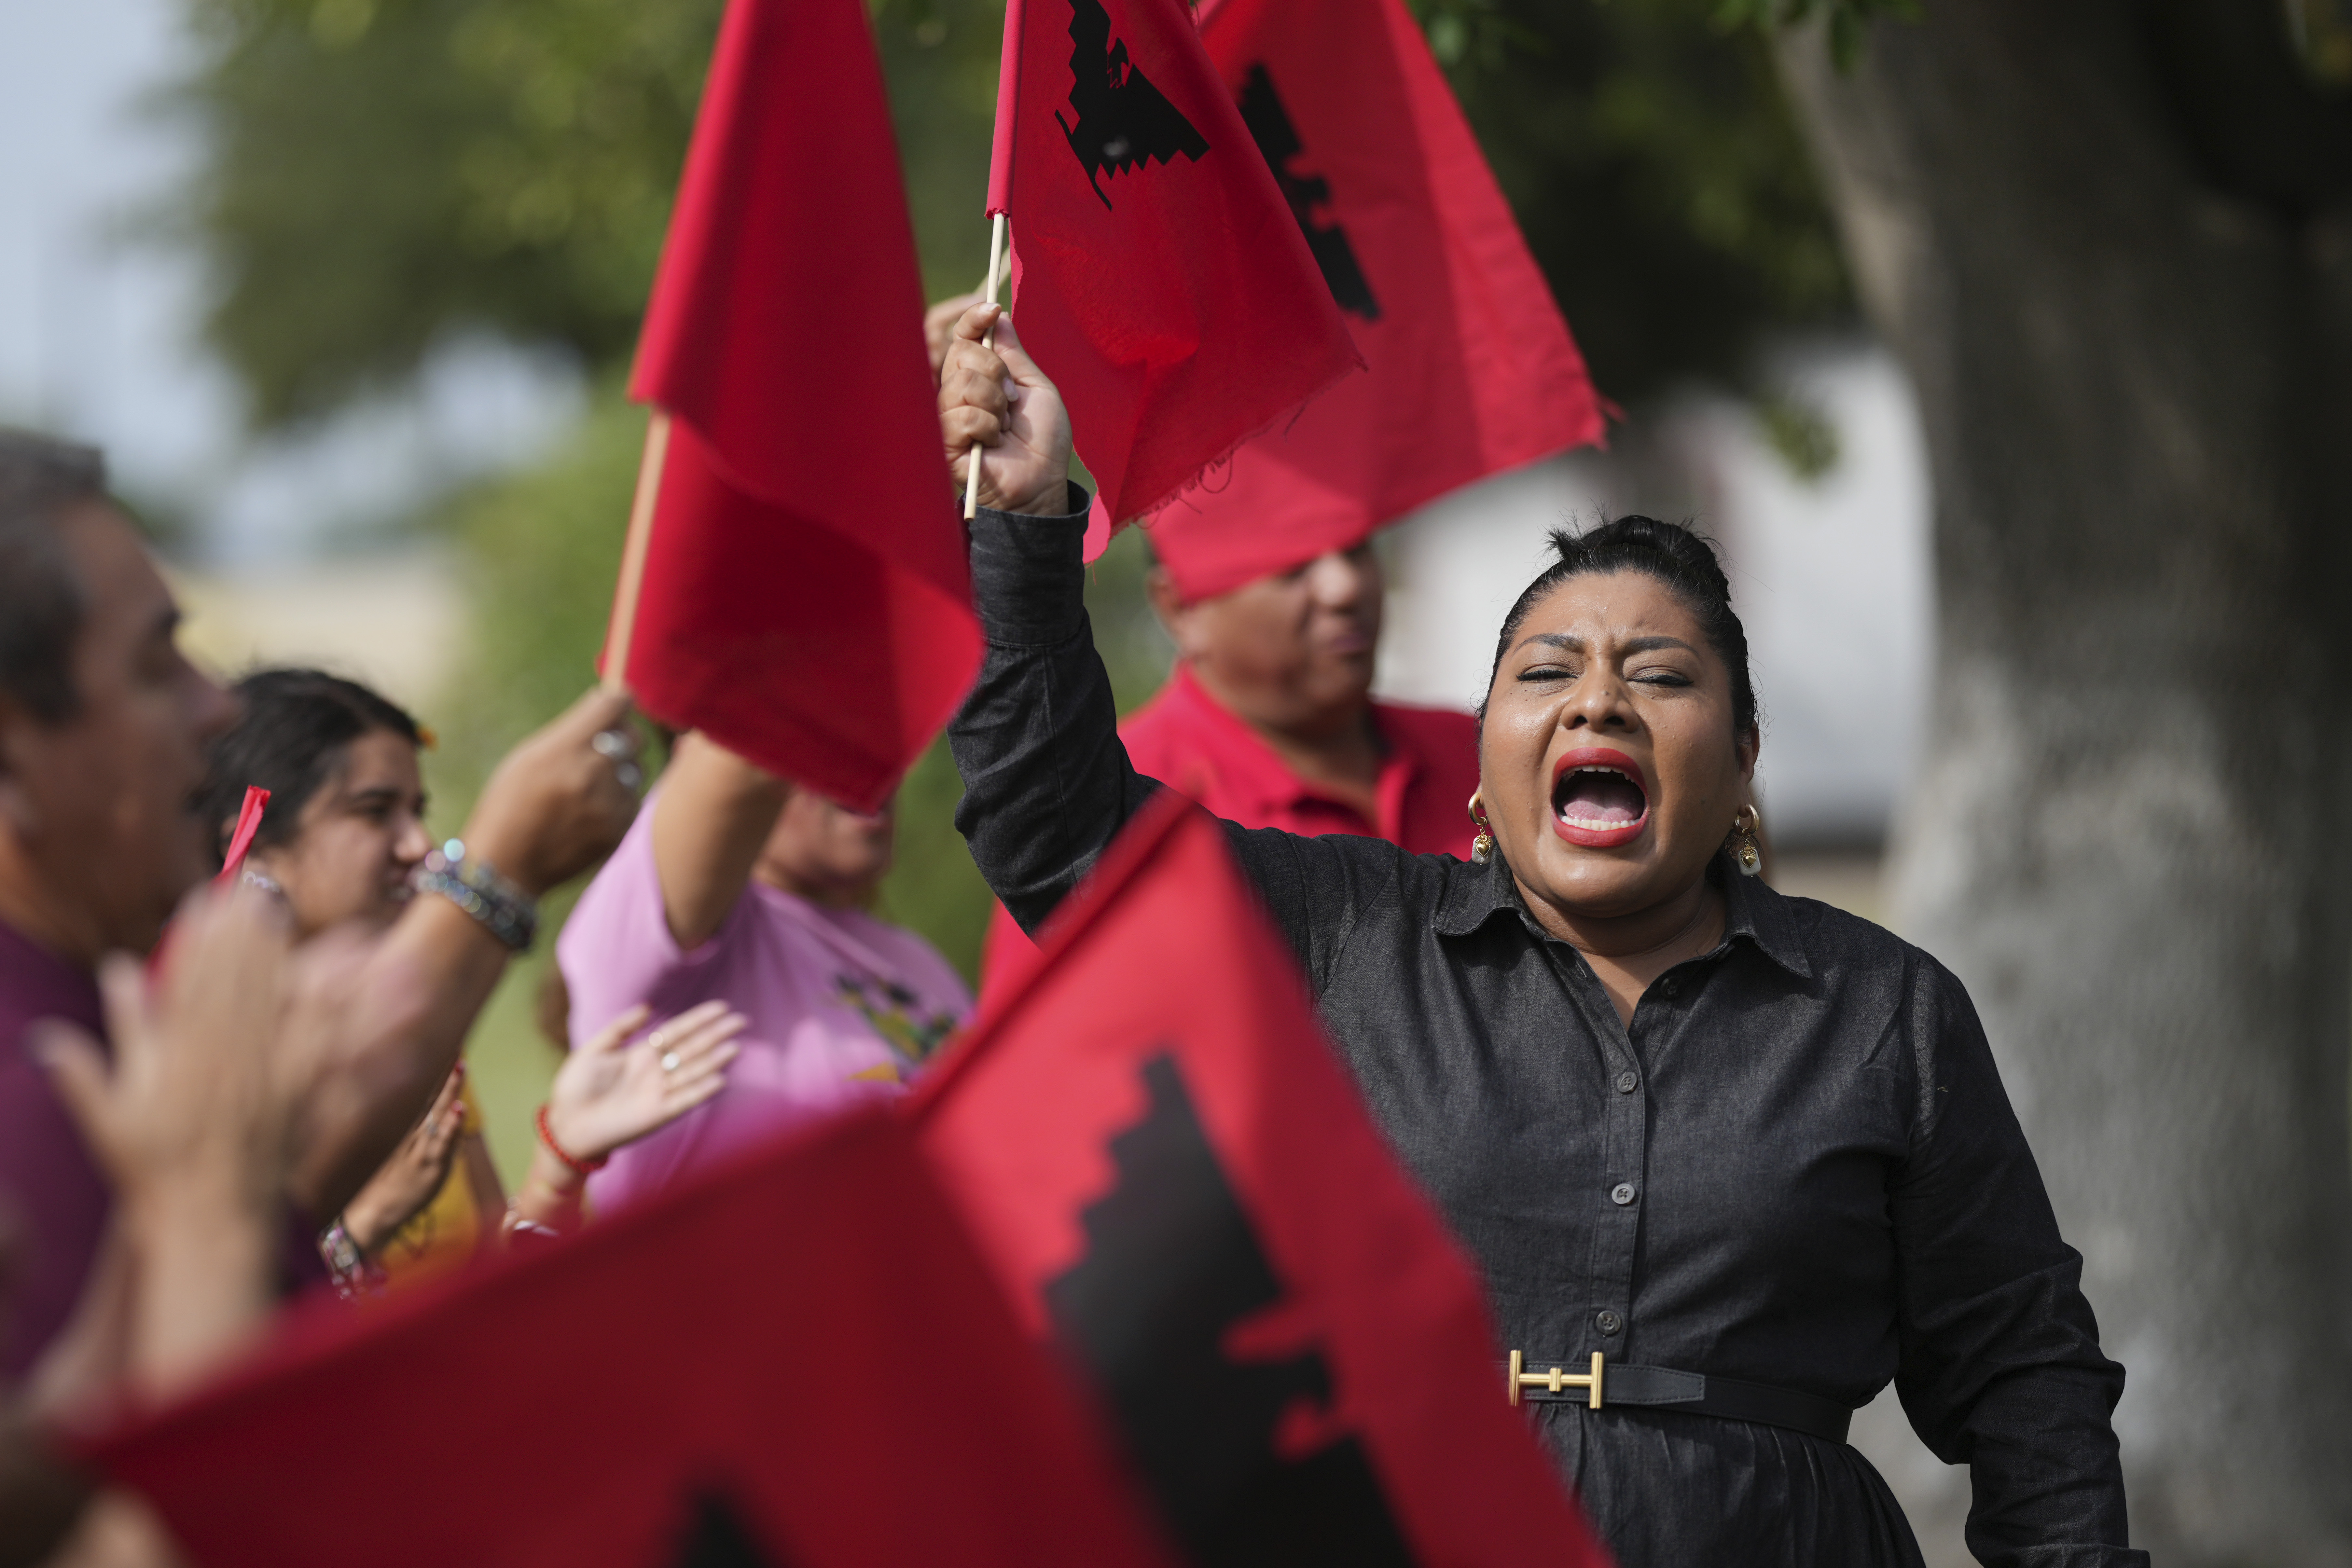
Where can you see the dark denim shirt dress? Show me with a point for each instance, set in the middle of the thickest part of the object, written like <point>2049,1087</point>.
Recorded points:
<point>1796,1167</point>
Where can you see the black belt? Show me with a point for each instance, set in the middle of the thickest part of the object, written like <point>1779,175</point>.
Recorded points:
<point>1605,1383</point>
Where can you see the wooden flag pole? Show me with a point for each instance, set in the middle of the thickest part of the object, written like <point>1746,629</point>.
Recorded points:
<point>995,273</point>
<point>633,555</point>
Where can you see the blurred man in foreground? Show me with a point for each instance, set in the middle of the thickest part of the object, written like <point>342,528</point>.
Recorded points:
<point>103,727</point>
<point>190,1111</point>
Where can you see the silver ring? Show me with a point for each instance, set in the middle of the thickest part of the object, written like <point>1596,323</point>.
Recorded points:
<point>670,1061</point>
<point>629,773</point>
<point>613,744</point>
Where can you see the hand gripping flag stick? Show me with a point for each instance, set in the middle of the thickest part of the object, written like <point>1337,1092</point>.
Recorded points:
<point>988,339</point>
<point>1000,200</point>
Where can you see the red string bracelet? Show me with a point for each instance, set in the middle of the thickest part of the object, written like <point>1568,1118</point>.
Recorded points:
<point>577,1167</point>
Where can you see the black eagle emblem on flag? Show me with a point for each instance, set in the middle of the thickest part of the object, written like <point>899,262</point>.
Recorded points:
<point>1122,119</point>
<point>1270,127</point>
<point>716,1537</point>
<point>1171,1265</point>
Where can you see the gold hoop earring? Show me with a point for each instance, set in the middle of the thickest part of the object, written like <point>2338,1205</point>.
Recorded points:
<point>1482,846</point>
<point>1746,824</point>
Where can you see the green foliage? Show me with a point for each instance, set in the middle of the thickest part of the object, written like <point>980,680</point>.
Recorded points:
<point>1847,19</point>
<point>386,171</point>
<point>541,550</point>
<point>2321,33</point>
<point>389,171</point>
<point>1657,173</point>
<point>1799,432</point>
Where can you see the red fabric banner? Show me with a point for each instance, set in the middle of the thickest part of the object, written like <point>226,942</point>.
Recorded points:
<point>1471,368</point>
<point>801,1364</point>
<point>1157,274</point>
<point>1169,1171</point>
<point>804,597</point>
<point>249,824</point>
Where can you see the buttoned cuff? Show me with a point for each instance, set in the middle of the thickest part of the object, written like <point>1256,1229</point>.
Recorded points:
<point>1029,574</point>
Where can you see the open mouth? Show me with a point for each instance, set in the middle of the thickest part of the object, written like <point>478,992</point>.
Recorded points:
<point>1599,797</point>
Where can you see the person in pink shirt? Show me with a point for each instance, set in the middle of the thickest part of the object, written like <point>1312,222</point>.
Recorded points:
<point>736,886</point>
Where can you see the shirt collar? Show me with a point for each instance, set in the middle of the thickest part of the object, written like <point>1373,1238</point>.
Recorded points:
<point>1476,894</point>
<point>1245,759</point>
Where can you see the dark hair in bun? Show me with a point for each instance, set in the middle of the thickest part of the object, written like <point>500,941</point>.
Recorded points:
<point>1683,560</point>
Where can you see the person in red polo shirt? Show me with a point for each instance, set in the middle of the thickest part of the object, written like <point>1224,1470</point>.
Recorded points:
<point>1268,719</point>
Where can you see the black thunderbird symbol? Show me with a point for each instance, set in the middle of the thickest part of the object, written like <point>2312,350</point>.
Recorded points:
<point>1123,119</point>
<point>716,1537</point>
<point>1269,125</point>
<point>1171,1265</point>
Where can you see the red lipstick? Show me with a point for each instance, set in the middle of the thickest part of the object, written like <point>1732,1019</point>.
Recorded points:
<point>1605,817</point>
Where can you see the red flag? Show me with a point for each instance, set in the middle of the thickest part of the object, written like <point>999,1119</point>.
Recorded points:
<point>801,1364</point>
<point>1157,274</point>
<point>803,597</point>
<point>1472,370</point>
<point>240,841</point>
<point>248,823</point>
<point>1169,1171</point>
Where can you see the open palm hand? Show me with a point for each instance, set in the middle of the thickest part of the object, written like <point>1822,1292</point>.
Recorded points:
<point>606,1096</point>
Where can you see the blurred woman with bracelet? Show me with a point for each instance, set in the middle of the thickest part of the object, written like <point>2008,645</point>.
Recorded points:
<point>342,840</point>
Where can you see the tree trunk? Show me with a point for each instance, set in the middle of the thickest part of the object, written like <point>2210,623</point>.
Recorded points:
<point>2131,831</point>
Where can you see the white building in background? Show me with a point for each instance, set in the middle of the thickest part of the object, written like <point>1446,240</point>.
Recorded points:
<point>1830,576</point>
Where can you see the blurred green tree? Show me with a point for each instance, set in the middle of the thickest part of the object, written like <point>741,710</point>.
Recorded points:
<point>387,171</point>
<point>1657,174</point>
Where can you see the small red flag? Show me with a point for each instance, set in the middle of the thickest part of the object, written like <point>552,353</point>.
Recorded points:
<point>1157,274</point>
<point>1472,370</point>
<point>804,598</point>
<point>802,1363</point>
<point>248,823</point>
<point>1171,1174</point>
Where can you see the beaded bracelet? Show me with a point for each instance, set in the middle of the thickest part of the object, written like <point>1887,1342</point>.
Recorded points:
<point>577,1167</point>
<point>354,1274</point>
<point>471,883</point>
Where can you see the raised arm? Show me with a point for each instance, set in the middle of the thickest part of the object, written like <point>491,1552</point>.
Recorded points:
<point>554,806</point>
<point>711,818</point>
<point>1047,785</point>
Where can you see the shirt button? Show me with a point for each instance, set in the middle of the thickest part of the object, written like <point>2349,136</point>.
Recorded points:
<point>1627,1084</point>
<point>1622,1194</point>
<point>1670,985</point>
<point>1608,1323</point>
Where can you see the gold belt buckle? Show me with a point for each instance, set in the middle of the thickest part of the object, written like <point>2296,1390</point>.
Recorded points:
<point>1556,1380</point>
